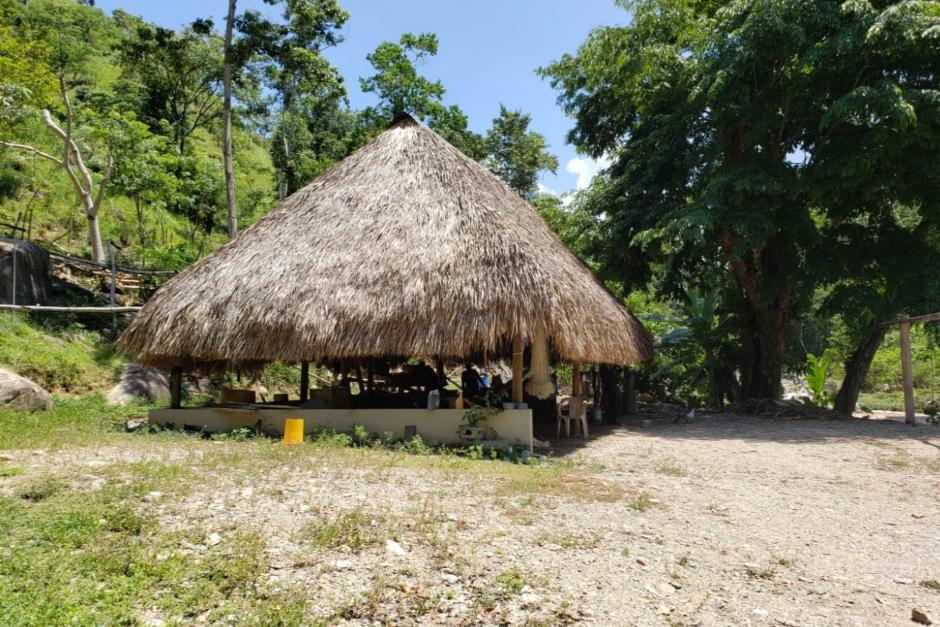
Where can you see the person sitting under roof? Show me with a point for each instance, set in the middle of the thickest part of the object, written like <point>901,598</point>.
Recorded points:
<point>425,376</point>
<point>470,381</point>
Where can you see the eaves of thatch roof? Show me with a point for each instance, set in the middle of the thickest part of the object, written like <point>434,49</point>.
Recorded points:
<point>406,247</point>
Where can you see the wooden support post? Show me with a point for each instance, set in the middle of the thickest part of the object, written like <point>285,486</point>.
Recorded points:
<point>631,392</point>
<point>518,348</point>
<point>304,381</point>
<point>595,389</point>
<point>576,379</point>
<point>907,373</point>
<point>359,380</point>
<point>176,388</point>
<point>540,384</point>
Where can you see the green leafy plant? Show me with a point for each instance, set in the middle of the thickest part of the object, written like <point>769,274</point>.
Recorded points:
<point>417,446</point>
<point>817,371</point>
<point>474,451</point>
<point>361,435</point>
<point>477,415</point>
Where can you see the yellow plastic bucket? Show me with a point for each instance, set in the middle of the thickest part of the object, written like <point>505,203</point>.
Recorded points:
<point>294,431</point>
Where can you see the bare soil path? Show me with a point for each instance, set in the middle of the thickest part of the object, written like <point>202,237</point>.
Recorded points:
<point>721,520</point>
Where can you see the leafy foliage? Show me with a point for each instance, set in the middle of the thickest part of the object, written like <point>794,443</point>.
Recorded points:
<point>401,89</point>
<point>752,139</point>
<point>516,154</point>
<point>817,373</point>
<point>170,78</point>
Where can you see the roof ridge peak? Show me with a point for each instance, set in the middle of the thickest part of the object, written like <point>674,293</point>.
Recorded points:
<point>402,118</point>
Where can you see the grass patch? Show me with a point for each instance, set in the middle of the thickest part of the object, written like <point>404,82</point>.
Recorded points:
<point>74,360</point>
<point>930,584</point>
<point>670,469</point>
<point>887,401</point>
<point>897,462</point>
<point>73,557</point>
<point>511,582</point>
<point>133,480</point>
<point>642,502</point>
<point>41,489</point>
<point>586,540</point>
<point>76,421</point>
<point>386,602</point>
<point>352,529</point>
<point>560,482</point>
<point>10,471</point>
<point>488,598</point>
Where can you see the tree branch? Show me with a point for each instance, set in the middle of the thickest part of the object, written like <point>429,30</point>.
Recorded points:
<point>67,161</point>
<point>31,150</point>
<point>79,162</point>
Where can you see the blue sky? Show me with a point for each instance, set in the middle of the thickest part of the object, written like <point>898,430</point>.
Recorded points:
<point>489,50</point>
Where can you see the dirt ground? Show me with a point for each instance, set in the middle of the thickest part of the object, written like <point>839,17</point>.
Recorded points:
<point>715,521</point>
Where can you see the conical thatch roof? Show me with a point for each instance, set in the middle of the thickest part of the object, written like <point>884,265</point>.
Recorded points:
<point>407,247</point>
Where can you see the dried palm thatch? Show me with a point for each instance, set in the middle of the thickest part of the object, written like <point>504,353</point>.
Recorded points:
<point>407,247</point>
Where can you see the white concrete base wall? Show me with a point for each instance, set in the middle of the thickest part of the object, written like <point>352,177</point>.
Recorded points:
<point>439,425</point>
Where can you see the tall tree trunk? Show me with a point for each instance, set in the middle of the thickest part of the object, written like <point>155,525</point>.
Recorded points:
<point>856,369</point>
<point>141,231</point>
<point>764,342</point>
<point>764,332</point>
<point>227,123</point>
<point>288,170</point>
<point>94,238</point>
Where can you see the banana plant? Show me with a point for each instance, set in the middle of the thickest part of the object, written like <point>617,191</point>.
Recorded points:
<point>694,344</point>
<point>817,371</point>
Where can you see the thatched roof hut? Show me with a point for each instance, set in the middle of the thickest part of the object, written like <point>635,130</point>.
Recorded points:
<point>407,247</point>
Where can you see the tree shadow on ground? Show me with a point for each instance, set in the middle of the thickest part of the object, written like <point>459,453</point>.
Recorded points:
<point>754,428</point>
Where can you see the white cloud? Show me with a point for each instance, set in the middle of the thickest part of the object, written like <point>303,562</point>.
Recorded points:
<point>546,190</point>
<point>586,169</point>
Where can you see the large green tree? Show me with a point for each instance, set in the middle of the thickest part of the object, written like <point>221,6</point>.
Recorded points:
<point>171,78</point>
<point>516,154</point>
<point>875,276</point>
<point>306,112</point>
<point>400,88</point>
<point>750,134</point>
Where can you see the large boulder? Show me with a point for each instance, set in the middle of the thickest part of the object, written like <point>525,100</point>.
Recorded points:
<point>21,393</point>
<point>137,383</point>
<point>33,279</point>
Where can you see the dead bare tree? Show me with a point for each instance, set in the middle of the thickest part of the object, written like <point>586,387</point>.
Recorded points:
<point>90,193</point>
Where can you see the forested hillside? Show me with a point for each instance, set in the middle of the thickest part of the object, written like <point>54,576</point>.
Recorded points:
<point>144,108</point>
<point>133,102</point>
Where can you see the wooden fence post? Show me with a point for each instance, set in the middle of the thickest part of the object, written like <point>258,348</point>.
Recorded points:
<point>907,372</point>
